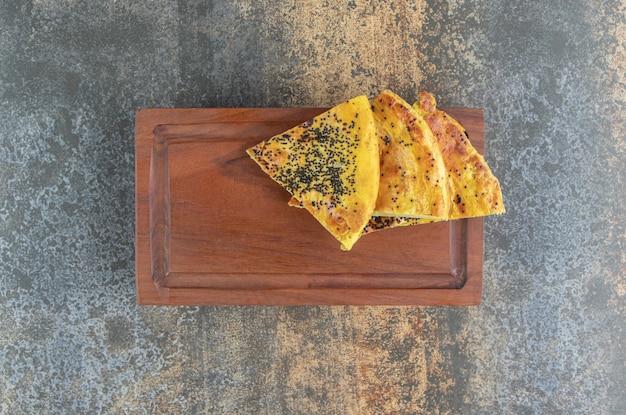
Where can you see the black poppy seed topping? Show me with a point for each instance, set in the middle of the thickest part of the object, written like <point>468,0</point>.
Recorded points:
<point>325,158</point>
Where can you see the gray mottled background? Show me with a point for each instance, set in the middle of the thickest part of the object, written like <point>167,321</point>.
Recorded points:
<point>549,335</point>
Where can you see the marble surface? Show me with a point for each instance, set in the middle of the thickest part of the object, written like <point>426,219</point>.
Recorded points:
<point>549,335</point>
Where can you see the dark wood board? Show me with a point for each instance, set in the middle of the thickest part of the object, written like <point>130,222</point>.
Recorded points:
<point>213,229</point>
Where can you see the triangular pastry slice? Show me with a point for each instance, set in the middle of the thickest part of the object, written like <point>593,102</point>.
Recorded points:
<point>412,174</point>
<point>330,164</point>
<point>472,187</point>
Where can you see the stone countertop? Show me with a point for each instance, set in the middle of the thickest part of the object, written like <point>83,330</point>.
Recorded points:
<point>549,334</point>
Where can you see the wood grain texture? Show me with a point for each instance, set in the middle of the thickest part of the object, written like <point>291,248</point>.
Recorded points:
<point>212,228</point>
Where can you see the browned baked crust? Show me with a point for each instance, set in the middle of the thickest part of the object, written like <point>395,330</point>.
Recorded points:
<point>472,187</point>
<point>412,173</point>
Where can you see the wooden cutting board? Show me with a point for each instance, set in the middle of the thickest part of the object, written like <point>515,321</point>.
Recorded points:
<point>213,229</point>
